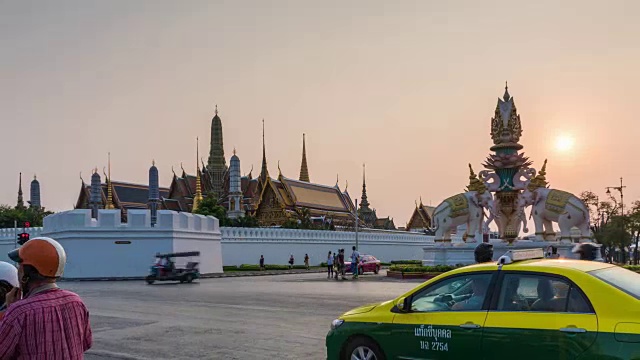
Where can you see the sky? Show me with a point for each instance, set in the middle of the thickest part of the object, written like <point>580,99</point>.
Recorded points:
<point>406,87</point>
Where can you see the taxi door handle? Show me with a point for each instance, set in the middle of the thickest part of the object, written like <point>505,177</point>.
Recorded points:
<point>573,330</point>
<point>470,326</point>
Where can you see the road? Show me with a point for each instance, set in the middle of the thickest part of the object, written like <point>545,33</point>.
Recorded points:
<point>262,317</point>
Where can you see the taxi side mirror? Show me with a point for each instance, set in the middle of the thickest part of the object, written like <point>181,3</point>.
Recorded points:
<point>404,304</point>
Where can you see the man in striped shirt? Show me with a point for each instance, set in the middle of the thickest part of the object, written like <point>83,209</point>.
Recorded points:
<point>48,322</point>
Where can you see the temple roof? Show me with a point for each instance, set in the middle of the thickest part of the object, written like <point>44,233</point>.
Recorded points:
<point>309,195</point>
<point>424,213</point>
<point>126,195</point>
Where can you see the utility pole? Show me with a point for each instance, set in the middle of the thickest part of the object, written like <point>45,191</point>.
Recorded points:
<point>356,215</point>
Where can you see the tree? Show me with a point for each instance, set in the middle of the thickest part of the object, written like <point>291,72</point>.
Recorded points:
<point>209,207</point>
<point>633,223</point>
<point>9,215</point>
<point>600,215</point>
<point>245,221</point>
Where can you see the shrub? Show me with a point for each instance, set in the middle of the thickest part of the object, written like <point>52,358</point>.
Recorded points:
<point>406,262</point>
<point>632,267</point>
<point>229,268</point>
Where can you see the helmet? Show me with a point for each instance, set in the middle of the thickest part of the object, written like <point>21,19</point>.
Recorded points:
<point>45,254</point>
<point>588,251</point>
<point>9,274</point>
<point>483,252</point>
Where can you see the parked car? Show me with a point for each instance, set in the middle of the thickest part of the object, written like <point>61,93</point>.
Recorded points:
<point>368,263</point>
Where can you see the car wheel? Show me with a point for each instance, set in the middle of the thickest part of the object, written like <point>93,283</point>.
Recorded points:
<point>189,278</point>
<point>376,270</point>
<point>362,348</point>
<point>150,280</point>
<point>360,270</point>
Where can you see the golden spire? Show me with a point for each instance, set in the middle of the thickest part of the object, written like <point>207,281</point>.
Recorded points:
<point>540,180</point>
<point>304,170</point>
<point>474,183</point>
<point>197,199</point>
<point>279,171</point>
<point>346,186</point>
<point>109,186</point>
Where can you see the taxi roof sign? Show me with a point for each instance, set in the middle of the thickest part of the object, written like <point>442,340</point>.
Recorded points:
<point>519,255</point>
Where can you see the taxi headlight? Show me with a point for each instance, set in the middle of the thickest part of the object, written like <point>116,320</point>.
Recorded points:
<point>336,323</point>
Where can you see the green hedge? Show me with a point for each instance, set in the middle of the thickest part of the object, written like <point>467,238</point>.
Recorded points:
<point>255,267</point>
<point>632,267</point>
<point>324,264</point>
<point>406,262</point>
<point>424,269</point>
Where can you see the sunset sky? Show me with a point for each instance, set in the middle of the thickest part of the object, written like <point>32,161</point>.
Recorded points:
<point>407,87</point>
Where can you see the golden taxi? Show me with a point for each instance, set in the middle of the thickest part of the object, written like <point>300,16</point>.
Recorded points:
<point>524,306</point>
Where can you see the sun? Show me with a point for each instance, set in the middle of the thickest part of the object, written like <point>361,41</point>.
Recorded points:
<point>564,143</point>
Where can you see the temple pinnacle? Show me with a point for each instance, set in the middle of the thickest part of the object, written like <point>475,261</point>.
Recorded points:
<point>304,170</point>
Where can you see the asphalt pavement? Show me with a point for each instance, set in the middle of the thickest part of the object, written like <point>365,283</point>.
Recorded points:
<point>261,317</point>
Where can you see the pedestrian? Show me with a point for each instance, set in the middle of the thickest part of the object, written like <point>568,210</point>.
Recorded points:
<point>261,262</point>
<point>43,320</point>
<point>291,261</point>
<point>329,266</point>
<point>8,281</point>
<point>306,261</point>
<point>355,260</point>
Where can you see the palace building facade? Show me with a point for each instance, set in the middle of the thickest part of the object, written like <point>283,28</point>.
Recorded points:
<point>273,201</point>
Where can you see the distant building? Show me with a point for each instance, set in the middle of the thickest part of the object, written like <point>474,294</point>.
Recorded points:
<point>420,220</point>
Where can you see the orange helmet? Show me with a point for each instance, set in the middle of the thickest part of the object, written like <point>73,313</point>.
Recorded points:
<point>45,254</point>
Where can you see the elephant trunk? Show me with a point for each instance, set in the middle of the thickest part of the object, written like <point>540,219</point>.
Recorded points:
<point>523,217</point>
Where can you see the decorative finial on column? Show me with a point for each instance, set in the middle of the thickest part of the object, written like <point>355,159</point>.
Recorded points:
<point>109,186</point>
<point>506,92</point>
<point>216,109</point>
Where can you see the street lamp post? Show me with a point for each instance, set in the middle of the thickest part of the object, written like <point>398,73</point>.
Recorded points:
<point>619,188</point>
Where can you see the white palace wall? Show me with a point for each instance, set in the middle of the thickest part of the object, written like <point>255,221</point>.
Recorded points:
<point>245,245</point>
<point>108,248</point>
<point>94,248</point>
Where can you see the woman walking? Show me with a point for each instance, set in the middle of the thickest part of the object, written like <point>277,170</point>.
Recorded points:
<point>329,266</point>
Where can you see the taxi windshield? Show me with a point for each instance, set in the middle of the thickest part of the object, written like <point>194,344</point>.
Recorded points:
<point>623,279</point>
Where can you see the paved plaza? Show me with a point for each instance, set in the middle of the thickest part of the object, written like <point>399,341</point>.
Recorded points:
<point>258,317</point>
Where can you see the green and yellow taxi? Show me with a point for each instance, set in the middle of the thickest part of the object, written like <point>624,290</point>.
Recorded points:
<point>522,306</point>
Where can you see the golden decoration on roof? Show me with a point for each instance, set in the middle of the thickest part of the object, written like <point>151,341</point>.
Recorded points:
<point>197,199</point>
<point>474,183</point>
<point>540,180</point>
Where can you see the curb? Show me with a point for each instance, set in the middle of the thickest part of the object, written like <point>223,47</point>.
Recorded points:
<point>205,276</point>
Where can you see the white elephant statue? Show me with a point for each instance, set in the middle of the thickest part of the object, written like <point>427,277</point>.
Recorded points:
<point>465,208</point>
<point>551,205</point>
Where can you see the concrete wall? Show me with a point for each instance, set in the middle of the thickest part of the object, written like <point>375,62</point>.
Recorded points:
<point>106,247</point>
<point>245,245</point>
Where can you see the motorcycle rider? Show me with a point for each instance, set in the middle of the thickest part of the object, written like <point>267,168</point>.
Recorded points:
<point>8,281</point>
<point>41,318</point>
<point>483,252</point>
